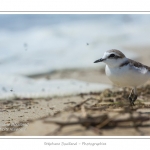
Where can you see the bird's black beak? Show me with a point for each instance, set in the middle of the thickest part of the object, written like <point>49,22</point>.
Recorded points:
<point>99,60</point>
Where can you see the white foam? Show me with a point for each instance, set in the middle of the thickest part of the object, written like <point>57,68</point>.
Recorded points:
<point>12,87</point>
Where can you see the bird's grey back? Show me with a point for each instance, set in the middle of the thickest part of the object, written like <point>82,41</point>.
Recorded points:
<point>136,64</point>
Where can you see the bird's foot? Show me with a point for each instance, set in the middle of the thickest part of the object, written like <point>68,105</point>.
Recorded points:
<point>132,100</point>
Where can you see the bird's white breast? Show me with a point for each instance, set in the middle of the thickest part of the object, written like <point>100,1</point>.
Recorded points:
<point>127,76</point>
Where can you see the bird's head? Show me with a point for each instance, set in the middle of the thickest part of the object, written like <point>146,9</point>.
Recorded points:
<point>112,58</point>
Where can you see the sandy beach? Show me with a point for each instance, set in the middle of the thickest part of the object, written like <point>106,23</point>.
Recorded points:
<point>93,114</point>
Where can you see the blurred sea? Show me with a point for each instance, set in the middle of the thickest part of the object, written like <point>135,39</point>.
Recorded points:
<point>35,44</point>
<point>38,44</point>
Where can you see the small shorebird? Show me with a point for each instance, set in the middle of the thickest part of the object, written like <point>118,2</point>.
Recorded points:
<point>125,72</point>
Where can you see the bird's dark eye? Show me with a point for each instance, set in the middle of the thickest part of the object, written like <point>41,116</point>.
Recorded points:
<point>111,56</point>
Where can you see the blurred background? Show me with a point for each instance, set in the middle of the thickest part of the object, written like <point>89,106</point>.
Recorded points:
<point>36,44</point>
<point>48,74</point>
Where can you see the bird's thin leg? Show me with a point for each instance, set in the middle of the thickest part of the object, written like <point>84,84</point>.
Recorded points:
<point>135,95</point>
<point>132,100</point>
<point>130,97</point>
